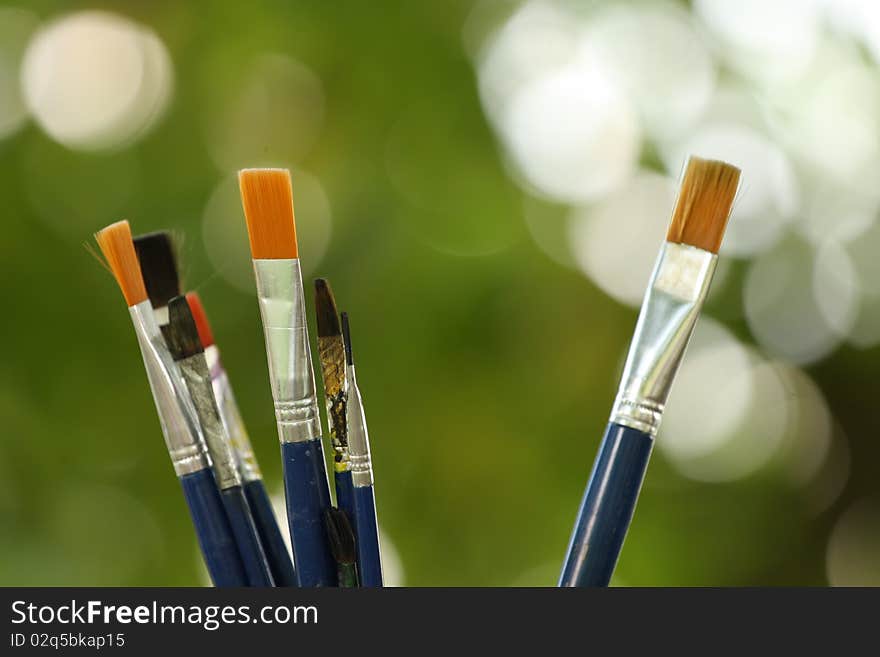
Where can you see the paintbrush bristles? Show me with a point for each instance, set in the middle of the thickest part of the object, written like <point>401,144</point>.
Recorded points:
<point>346,339</point>
<point>331,350</point>
<point>343,544</point>
<point>325,309</point>
<point>183,335</point>
<point>156,253</point>
<point>198,312</point>
<point>704,202</point>
<point>116,245</point>
<point>267,199</point>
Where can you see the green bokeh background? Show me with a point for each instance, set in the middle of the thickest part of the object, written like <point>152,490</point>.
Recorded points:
<point>487,369</point>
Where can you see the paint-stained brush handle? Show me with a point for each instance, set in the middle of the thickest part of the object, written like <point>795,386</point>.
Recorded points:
<point>246,537</point>
<point>212,529</point>
<point>308,495</point>
<point>607,507</point>
<point>279,559</point>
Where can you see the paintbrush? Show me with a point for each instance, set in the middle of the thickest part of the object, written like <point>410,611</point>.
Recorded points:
<point>342,545</point>
<point>267,199</point>
<point>246,461</point>
<point>676,293</point>
<point>331,355</point>
<point>366,528</point>
<point>183,437</point>
<point>187,350</point>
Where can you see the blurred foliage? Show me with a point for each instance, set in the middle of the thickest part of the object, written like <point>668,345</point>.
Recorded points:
<point>487,370</point>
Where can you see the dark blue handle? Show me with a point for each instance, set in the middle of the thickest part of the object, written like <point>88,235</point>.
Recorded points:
<point>308,495</point>
<point>366,531</point>
<point>607,507</point>
<point>344,492</point>
<point>246,537</point>
<point>212,529</point>
<point>270,534</point>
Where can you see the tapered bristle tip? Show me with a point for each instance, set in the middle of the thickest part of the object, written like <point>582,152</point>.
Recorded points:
<point>158,259</point>
<point>183,334</point>
<point>267,199</point>
<point>325,309</point>
<point>116,244</point>
<point>346,338</point>
<point>201,318</point>
<point>705,199</point>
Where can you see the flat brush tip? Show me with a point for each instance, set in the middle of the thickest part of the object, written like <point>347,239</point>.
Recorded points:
<point>705,199</point>
<point>267,199</point>
<point>341,535</point>
<point>158,259</point>
<point>201,318</point>
<point>325,309</point>
<point>182,334</point>
<point>116,244</point>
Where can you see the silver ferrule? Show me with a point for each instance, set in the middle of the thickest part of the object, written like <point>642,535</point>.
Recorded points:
<point>161,315</point>
<point>198,381</point>
<point>212,357</point>
<point>177,416</point>
<point>672,304</point>
<point>337,411</point>
<point>358,438</point>
<point>245,459</point>
<point>282,307</point>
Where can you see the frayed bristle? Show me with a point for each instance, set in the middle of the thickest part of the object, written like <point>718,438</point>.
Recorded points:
<point>704,203</point>
<point>267,199</point>
<point>116,245</point>
<point>325,309</point>
<point>158,259</point>
<point>341,535</point>
<point>201,318</point>
<point>182,334</point>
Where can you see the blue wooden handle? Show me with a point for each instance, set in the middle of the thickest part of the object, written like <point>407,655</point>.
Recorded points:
<point>607,507</point>
<point>366,531</point>
<point>246,537</point>
<point>344,492</point>
<point>212,529</point>
<point>308,495</point>
<point>270,534</point>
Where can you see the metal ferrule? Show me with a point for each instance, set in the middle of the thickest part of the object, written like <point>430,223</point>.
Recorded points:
<point>245,459</point>
<point>341,454</point>
<point>282,307</point>
<point>198,381</point>
<point>161,314</point>
<point>331,355</point>
<point>212,357</point>
<point>358,438</point>
<point>177,416</point>
<point>672,304</point>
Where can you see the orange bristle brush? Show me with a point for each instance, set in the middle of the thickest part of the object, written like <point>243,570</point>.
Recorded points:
<point>672,304</point>
<point>267,199</point>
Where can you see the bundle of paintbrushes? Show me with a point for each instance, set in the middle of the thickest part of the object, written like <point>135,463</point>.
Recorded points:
<point>339,546</point>
<point>210,449</point>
